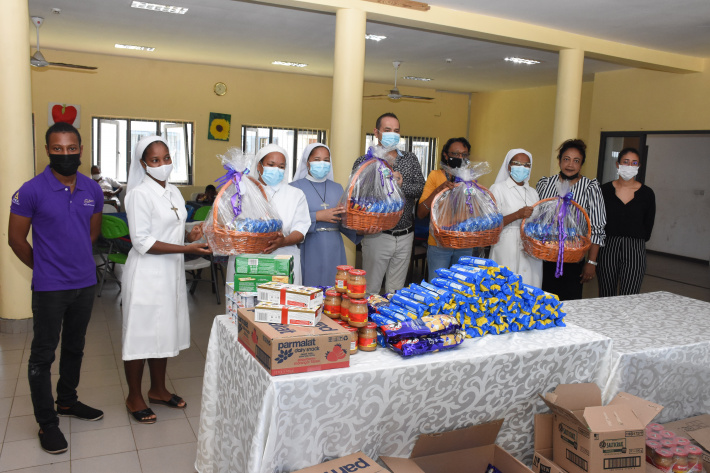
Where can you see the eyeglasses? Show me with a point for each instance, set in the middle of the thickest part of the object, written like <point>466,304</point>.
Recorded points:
<point>630,163</point>
<point>458,155</point>
<point>517,163</point>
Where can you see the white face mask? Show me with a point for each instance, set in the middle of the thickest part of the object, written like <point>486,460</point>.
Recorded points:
<point>628,172</point>
<point>161,173</point>
<point>96,177</point>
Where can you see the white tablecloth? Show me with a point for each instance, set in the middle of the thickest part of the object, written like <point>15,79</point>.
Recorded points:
<point>661,348</point>
<point>252,422</point>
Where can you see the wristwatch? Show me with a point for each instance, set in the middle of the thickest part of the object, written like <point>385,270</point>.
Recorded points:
<point>592,262</point>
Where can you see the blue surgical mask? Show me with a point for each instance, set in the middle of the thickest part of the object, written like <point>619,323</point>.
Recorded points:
<point>272,176</point>
<point>389,139</point>
<point>319,169</point>
<point>519,173</point>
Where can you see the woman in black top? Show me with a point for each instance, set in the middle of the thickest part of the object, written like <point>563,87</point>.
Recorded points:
<point>630,212</point>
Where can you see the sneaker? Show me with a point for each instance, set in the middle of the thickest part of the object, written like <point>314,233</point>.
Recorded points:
<point>80,411</point>
<point>52,440</point>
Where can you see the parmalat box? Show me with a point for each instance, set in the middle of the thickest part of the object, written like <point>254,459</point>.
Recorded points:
<point>357,462</point>
<point>590,438</point>
<point>286,349</point>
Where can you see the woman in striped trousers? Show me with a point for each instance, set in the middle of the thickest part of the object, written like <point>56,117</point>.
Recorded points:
<point>630,212</point>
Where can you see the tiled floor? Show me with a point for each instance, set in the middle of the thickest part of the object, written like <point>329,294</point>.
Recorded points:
<point>117,443</point>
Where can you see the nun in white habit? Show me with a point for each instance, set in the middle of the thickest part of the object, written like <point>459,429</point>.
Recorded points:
<point>515,199</point>
<point>155,318</point>
<point>289,202</point>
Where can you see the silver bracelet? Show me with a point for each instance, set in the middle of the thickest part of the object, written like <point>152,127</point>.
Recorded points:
<point>594,263</point>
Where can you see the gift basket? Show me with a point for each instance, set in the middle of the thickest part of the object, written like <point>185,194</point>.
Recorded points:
<point>467,215</point>
<point>558,230</point>
<point>373,201</point>
<point>241,219</point>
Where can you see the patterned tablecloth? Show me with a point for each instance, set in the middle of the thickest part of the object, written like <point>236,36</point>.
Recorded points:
<point>661,348</point>
<point>252,422</point>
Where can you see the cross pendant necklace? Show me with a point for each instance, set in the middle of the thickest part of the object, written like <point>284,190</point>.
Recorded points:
<point>324,205</point>
<point>325,193</point>
<point>172,207</point>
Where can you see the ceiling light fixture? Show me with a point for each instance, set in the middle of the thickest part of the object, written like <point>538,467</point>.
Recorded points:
<point>375,37</point>
<point>520,60</point>
<point>290,64</point>
<point>425,79</point>
<point>131,46</point>
<point>159,7</point>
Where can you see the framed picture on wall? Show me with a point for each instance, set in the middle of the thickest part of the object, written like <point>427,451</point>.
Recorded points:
<point>220,123</point>
<point>62,112</point>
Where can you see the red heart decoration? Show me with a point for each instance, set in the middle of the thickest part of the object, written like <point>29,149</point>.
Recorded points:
<point>64,114</point>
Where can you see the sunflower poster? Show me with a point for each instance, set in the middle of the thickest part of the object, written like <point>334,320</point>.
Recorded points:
<point>219,126</point>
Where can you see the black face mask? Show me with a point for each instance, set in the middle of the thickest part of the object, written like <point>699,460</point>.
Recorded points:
<point>454,162</point>
<point>65,164</point>
<point>568,178</point>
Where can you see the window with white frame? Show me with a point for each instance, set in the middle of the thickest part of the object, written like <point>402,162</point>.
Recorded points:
<point>293,140</point>
<point>113,141</point>
<point>424,148</point>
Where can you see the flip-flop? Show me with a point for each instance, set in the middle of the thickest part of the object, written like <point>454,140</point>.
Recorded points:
<point>173,403</point>
<point>142,415</point>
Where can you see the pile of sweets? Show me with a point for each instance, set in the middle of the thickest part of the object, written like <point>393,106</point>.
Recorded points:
<point>550,232</point>
<point>477,224</point>
<point>252,225</point>
<point>426,334</point>
<point>484,297</point>
<point>370,204</point>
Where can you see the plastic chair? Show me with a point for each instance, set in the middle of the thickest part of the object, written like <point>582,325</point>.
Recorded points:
<point>111,229</point>
<point>194,268</point>
<point>201,213</point>
<point>109,208</point>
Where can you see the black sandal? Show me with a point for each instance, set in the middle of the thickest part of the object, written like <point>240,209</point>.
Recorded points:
<point>143,416</point>
<point>173,403</point>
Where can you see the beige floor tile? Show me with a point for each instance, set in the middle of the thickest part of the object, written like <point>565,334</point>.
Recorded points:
<point>102,346</point>
<point>188,386</point>
<point>163,433</point>
<point>28,453</point>
<point>26,355</point>
<point>92,379</point>
<point>96,443</point>
<point>98,363</point>
<point>25,427</point>
<point>114,416</point>
<point>126,462</point>
<point>191,354</point>
<point>100,395</point>
<point>173,459</point>
<point>21,406</point>
<point>5,407</point>
<point>187,369</point>
<point>195,424</point>
<point>10,370</point>
<point>3,428</point>
<point>61,467</point>
<point>11,342</point>
<point>8,357</point>
<point>7,387</point>
<point>193,405</point>
<point>23,385</point>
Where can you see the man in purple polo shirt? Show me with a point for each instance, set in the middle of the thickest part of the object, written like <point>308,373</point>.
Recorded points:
<point>63,208</point>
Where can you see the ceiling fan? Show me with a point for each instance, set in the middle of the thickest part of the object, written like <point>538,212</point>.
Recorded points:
<point>394,92</point>
<point>38,60</point>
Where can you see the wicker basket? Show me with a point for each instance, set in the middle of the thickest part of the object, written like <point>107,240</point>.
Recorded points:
<point>458,240</point>
<point>368,222</point>
<point>229,242</point>
<point>549,250</point>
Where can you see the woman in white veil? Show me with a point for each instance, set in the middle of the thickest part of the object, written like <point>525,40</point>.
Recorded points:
<point>515,199</point>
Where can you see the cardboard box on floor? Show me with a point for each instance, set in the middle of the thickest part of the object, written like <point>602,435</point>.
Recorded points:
<point>542,460</point>
<point>357,462</point>
<point>468,450</point>
<point>591,438</point>
<point>286,349</point>
<point>697,429</point>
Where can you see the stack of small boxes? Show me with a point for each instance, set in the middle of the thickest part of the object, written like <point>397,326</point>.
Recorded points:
<point>281,303</point>
<point>250,270</point>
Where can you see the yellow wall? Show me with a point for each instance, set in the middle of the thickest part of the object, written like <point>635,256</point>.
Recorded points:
<point>521,118</point>
<point>141,88</point>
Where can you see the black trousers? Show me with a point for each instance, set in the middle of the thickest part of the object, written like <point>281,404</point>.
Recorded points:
<point>568,286</point>
<point>622,266</point>
<point>66,312</point>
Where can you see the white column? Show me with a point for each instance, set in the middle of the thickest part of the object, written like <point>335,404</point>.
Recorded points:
<point>348,77</point>
<point>16,155</point>
<point>569,96</point>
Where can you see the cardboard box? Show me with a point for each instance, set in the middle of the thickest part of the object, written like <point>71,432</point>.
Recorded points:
<point>250,282</point>
<point>589,437</point>
<point>542,460</point>
<point>465,450</point>
<point>290,294</point>
<point>697,429</point>
<point>357,462</point>
<point>270,313</point>
<point>285,349</point>
<point>278,265</point>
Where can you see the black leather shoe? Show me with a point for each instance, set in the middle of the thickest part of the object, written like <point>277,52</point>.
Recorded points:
<point>80,411</point>
<point>52,440</point>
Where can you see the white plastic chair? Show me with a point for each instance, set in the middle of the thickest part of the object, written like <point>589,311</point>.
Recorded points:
<point>109,209</point>
<point>194,268</point>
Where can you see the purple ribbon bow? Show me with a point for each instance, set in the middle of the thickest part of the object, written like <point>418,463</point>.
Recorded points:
<point>236,177</point>
<point>383,165</point>
<point>468,196</point>
<point>565,203</point>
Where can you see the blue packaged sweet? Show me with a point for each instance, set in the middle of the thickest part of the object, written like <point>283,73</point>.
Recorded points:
<point>418,346</point>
